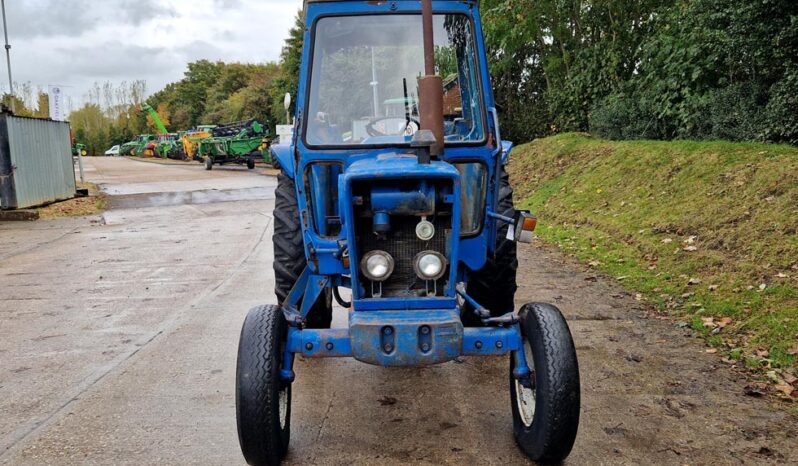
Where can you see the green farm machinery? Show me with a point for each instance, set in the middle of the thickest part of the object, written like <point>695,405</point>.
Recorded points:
<point>79,149</point>
<point>243,142</point>
<point>170,146</point>
<point>167,145</point>
<point>143,145</point>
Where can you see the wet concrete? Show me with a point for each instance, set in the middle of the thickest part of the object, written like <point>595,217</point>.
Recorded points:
<point>119,337</point>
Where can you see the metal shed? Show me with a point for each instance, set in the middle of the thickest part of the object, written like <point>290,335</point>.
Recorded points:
<point>35,162</point>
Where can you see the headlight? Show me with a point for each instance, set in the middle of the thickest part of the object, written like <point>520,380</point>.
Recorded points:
<point>430,265</point>
<point>377,265</point>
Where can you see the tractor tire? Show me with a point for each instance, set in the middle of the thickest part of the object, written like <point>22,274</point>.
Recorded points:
<point>209,163</point>
<point>546,406</point>
<point>275,163</point>
<point>263,397</point>
<point>494,285</point>
<point>289,252</point>
<point>250,164</point>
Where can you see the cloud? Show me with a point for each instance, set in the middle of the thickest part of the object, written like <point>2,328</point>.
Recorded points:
<point>52,18</point>
<point>79,42</point>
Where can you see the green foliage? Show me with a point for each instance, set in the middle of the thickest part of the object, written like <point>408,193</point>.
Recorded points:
<point>714,69</point>
<point>630,69</point>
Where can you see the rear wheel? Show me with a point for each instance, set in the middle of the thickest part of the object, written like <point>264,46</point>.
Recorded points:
<point>545,406</point>
<point>250,164</point>
<point>494,285</point>
<point>289,252</point>
<point>263,398</point>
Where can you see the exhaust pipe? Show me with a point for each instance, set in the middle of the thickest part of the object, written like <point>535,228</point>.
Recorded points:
<point>430,86</point>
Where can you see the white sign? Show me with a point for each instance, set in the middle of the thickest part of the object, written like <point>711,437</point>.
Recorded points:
<point>56,98</point>
<point>286,133</point>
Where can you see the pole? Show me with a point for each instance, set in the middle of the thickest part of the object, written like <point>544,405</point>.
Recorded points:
<point>80,167</point>
<point>8,59</point>
<point>429,42</point>
<point>375,93</point>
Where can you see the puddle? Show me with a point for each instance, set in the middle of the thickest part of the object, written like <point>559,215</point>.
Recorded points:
<point>208,196</point>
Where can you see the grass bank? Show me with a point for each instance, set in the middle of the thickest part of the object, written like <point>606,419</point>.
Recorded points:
<point>706,231</point>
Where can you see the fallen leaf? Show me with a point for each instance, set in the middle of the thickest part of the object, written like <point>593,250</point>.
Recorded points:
<point>693,281</point>
<point>711,350</point>
<point>782,275</point>
<point>713,287</point>
<point>689,248</point>
<point>638,297</point>
<point>667,241</point>
<point>594,263</point>
<point>793,351</point>
<point>621,278</point>
<point>762,286</point>
<point>689,240</point>
<point>709,322</point>
<point>724,322</point>
<point>785,388</point>
<point>762,353</point>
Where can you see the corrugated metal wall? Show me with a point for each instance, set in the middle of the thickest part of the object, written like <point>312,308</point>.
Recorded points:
<point>38,154</point>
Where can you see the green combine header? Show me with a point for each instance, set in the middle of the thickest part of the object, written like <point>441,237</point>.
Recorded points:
<point>243,142</point>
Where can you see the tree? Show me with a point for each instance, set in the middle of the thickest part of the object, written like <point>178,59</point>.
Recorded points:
<point>287,81</point>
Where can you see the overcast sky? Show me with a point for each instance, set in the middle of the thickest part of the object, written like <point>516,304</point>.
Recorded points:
<point>77,42</point>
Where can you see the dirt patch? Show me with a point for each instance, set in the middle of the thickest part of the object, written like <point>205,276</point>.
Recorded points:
<point>92,204</point>
<point>651,394</point>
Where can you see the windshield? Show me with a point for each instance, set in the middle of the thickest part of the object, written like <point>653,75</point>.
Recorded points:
<point>364,85</point>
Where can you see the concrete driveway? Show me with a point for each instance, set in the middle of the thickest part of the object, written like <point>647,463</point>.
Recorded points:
<point>118,339</point>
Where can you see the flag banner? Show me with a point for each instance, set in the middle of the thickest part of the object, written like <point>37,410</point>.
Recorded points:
<point>56,98</point>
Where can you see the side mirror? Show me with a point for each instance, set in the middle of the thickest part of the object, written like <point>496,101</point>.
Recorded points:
<point>507,148</point>
<point>287,105</point>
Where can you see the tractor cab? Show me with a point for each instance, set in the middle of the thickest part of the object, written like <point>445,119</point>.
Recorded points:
<point>394,202</point>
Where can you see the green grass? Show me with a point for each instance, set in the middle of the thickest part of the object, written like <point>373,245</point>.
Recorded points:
<point>695,227</point>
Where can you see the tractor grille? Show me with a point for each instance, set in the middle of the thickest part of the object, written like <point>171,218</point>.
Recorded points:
<point>403,245</point>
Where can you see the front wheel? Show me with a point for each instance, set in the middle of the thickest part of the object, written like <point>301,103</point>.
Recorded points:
<point>546,405</point>
<point>251,164</point>
<point>209,163</point>
<point>263,398</point>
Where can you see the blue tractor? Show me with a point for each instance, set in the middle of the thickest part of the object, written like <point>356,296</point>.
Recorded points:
<point>411,210</point>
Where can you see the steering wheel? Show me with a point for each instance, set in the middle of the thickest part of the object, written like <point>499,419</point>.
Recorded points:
<point>410,126</point>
